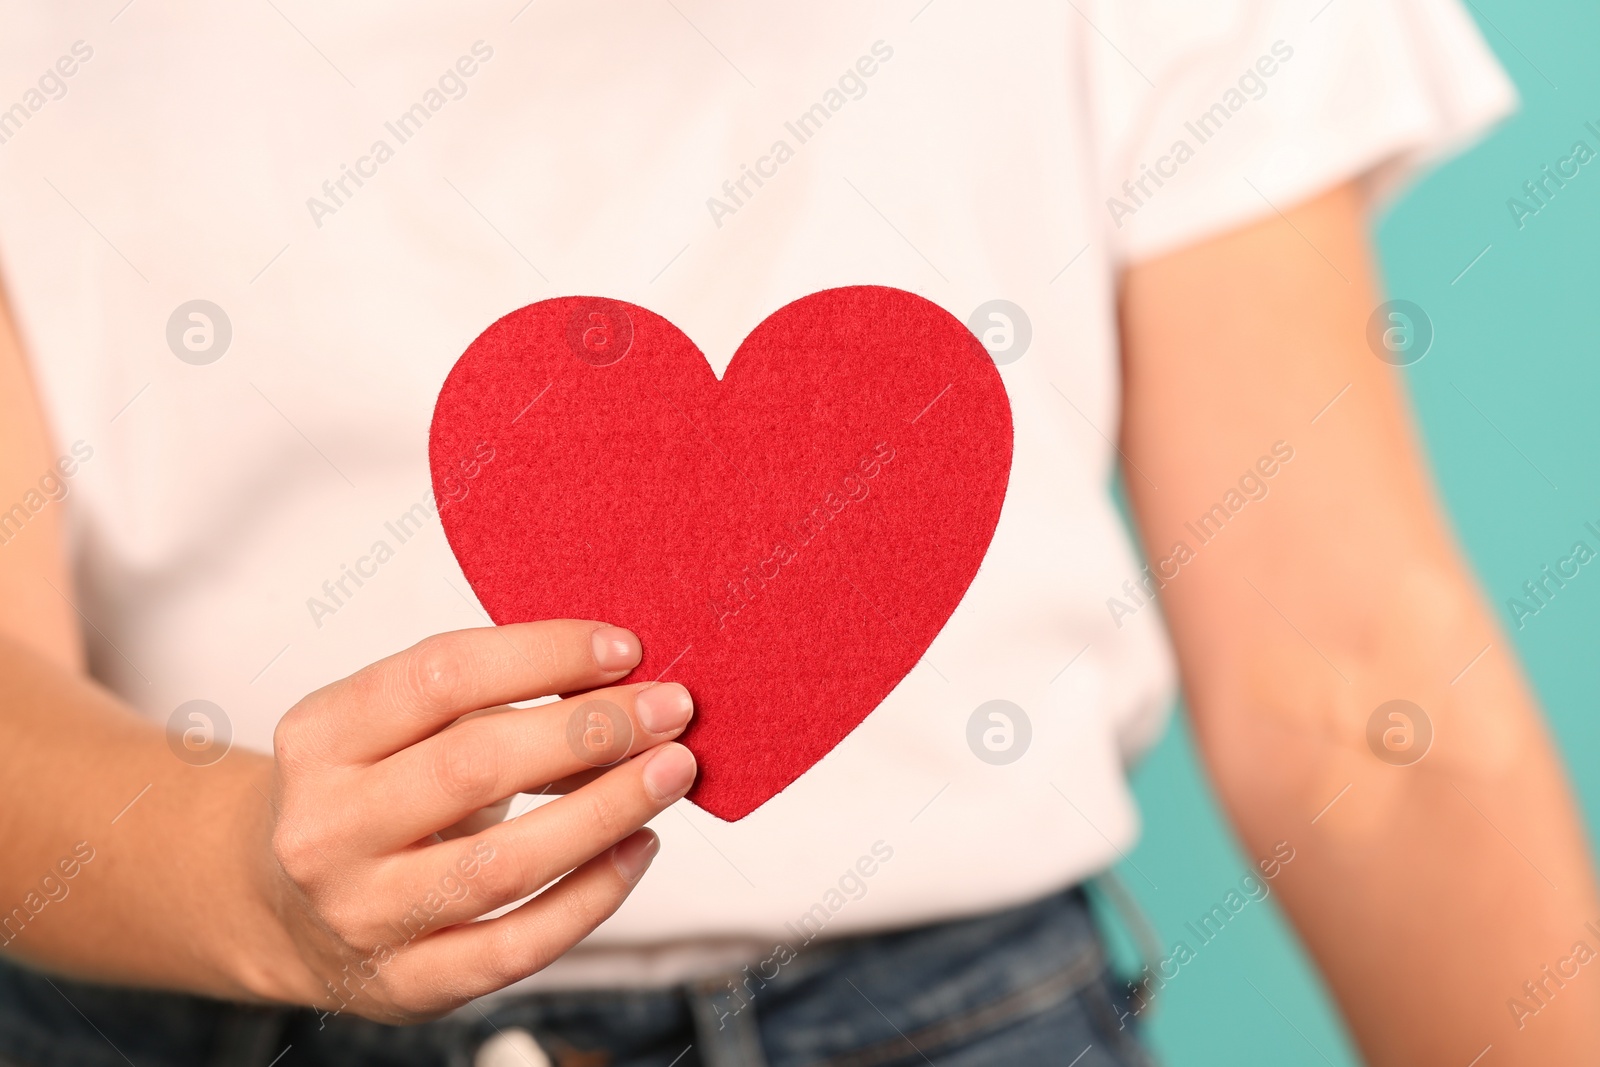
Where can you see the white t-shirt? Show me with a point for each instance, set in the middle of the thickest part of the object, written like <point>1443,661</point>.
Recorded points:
<point>158,154</point>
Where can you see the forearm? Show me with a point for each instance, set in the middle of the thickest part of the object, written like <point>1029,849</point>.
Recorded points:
<point>1430,892</point>
<point>122,862</point>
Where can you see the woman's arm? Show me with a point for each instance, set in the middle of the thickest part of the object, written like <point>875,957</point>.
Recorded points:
<point>36,594</point>
<point>1428,893</point>
<point>340,872</point>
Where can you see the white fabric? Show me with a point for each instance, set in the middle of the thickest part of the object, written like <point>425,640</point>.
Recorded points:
<point>974,163</point>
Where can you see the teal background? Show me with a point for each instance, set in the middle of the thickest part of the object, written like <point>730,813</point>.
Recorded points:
<point>1518,335</point>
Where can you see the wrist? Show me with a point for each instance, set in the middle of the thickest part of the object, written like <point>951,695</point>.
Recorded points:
<point>259,956</point>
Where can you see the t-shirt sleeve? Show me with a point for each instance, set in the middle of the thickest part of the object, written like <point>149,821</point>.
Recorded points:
<point>1207,116</point>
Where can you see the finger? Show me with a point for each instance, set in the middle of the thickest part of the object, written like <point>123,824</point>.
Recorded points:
<point>516,858</point>
<point>484,759</point>
<point>477,958</point>
<point>398,701</point>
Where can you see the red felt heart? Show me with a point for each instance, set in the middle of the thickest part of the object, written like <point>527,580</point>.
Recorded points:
<point>787,542</point>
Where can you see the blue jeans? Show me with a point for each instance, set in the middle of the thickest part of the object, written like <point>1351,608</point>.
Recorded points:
<point>1021,987</point>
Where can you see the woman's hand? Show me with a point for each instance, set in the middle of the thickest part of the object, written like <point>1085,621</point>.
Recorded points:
<point>373,772</point>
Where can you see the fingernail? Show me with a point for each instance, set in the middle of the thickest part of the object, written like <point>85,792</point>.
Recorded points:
<point>670,772</point>
<point>632,857</point>
<point>663,708</point>
<point>615,649</point>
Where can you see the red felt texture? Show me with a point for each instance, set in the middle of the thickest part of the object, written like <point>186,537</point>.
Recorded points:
<point>787,542</point>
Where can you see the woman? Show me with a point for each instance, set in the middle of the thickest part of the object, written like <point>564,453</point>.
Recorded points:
<point>243,247</point>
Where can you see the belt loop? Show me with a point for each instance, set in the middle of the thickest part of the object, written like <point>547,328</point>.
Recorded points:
<point>725,1027</point>
<point>1140,930</point>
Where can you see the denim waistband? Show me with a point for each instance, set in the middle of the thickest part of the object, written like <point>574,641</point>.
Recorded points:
<point>1025,985</point>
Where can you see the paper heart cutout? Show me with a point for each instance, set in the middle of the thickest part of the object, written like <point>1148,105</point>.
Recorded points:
<point>787,542</point>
